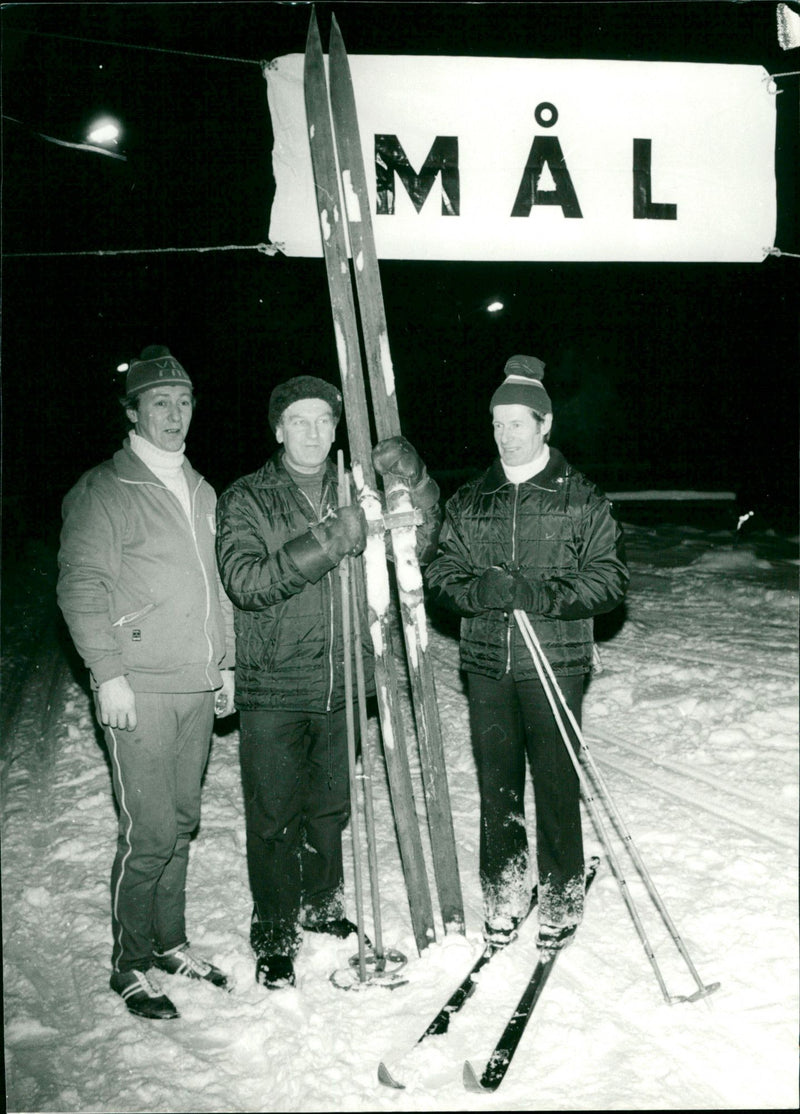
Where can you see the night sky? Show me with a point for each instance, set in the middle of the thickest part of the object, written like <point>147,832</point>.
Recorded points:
<point>672,375</point>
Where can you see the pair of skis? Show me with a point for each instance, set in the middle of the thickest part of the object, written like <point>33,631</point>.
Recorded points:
<point>500,1059</point>
<point>341,193</point>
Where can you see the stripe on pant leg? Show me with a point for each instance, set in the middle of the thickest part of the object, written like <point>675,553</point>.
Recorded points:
<point>124,810</point>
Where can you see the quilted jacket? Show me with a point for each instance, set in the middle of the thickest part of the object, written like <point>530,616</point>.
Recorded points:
<point>560,532</point>
<point>290,652</point>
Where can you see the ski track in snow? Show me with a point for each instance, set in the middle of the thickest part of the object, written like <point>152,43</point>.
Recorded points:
<point>693,724</point>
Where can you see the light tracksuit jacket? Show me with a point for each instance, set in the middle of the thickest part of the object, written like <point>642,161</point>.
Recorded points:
<point>138,583</point>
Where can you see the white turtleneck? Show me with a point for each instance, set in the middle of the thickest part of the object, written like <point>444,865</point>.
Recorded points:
<point>166,465</point>
<point>519,473</point>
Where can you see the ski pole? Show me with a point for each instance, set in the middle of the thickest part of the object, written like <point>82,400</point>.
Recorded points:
<point>550,686</point>
<point>534,649</point>
<point>344,579</point>
<point>357,589</point>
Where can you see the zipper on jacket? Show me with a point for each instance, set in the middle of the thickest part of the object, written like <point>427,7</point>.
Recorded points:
<point>205,582</point>
<point>330,645</point>
<point>329,582</point>
<point>192,496</point>
<point>510,627</point>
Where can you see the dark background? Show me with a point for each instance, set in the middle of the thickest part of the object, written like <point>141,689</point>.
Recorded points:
<point>673,375</point>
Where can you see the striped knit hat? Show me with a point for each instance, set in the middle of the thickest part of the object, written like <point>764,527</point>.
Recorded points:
<point>156,367</point>
<point>523,385</point>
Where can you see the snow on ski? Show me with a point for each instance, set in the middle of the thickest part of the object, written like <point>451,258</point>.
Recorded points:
<point>403,537</point>
<point>330,212</point>
<point>400,516</point>
<point>462,993</point>
<point>500,1059</point>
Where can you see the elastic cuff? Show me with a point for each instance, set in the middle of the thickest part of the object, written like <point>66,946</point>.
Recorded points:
<point>426,493</point>
<point>107,670</point>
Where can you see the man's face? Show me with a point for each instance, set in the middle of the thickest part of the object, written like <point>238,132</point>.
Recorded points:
<point>519,433</point>
<point>164,416</point>
<point>306,431</point>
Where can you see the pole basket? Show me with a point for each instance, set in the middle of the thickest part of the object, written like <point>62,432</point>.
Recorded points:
<point>376,970</point>
<point>703,992</point>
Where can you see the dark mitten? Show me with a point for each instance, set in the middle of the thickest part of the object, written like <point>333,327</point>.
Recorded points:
<point>322,547</point>
<point>395,456</point>
<point>398,457</point>
<point>497,588</point>
<point>344,534</point>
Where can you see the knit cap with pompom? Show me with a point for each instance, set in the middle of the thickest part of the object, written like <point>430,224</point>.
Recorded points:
<point>523,386</point>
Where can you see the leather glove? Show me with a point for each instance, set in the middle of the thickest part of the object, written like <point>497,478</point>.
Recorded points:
<point>322,547</point>
<point>344,534</point>
<point>497,588</point>
<point>395,456</point>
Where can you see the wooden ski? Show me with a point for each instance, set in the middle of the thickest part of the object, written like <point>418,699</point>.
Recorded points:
<point>398,500</point>
<point>331,217</point>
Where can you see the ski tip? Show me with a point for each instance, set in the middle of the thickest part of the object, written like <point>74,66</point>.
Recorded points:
<point>387,1079</point>
<point>471,1081</point>
<point>313,36</point>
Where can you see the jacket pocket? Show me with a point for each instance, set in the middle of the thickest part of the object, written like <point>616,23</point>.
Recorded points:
<point>132,617</point>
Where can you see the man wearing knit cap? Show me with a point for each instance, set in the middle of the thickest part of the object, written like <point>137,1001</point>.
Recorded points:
<point>533,534</point>
<point>280,537</point>
<point>140,593</point>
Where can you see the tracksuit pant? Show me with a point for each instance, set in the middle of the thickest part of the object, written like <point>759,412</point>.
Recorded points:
<point>157,771</point>
<point>511,720</point>
<point>297,803</point>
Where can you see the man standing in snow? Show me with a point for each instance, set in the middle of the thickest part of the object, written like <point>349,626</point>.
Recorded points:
<point>280,537</point>
<point>139,590</point>
<point>532,534</point>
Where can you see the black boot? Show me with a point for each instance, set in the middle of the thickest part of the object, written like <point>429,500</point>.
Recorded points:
<point>275,971</point>
<point>341,927</point>
<point>552,938</point>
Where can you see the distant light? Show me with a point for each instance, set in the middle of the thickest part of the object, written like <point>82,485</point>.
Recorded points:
<point>494,307</point>
<point>122,367</point>
<point>105,133</point>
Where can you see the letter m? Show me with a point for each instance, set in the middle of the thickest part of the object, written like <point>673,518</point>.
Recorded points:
<point>391,159</point>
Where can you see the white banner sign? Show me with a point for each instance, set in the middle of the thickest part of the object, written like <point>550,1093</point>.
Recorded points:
<point>544,159</point>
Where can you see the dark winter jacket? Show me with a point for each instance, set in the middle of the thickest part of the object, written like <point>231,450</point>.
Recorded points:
<point>290,650</point>
<point>559,531</point>
<point>138,583</point>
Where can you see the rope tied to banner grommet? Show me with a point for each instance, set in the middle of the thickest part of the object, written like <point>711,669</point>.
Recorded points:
<point>777,252</point>
<point>263,248</point>
<point>772,87</point>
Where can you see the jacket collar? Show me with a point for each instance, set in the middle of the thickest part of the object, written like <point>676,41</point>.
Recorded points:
<point>495,478</point>
<point>132,469</point>
<point>274,472</point>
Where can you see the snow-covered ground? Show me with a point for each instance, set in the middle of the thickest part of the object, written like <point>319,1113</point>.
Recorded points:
<point>693,725</point>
